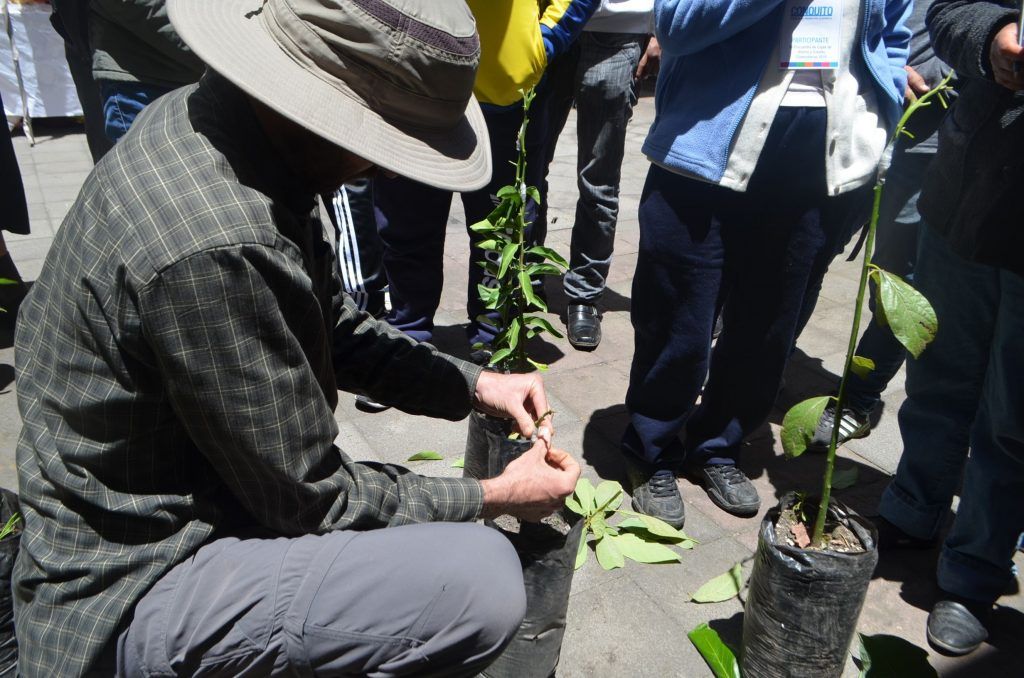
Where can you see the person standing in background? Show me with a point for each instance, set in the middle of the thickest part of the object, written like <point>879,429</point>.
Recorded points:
<point>769,125</point>
<point>599,75</point>
<point>518,39</point>
<point>136,57</point>
<point>965,393</point>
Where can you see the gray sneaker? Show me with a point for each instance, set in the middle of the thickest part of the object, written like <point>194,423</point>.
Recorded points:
<point>658,496</point>
<point>852,424</point>
<point>728,488</point>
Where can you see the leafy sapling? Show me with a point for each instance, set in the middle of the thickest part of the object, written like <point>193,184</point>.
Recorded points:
<point>515,267</point>
<point>640,537</point>
<point>897,305</point>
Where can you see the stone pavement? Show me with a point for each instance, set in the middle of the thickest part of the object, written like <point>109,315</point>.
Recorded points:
<point>632,621</point>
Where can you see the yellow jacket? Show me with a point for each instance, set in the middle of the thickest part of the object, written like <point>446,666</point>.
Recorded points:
<point>517,40</point>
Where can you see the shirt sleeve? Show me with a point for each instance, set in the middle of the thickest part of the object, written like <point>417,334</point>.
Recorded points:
<point>374,358</point>
<point>243,351</point>
<point>962,32</point>
<point>562,22</point>
<point>686,27</point>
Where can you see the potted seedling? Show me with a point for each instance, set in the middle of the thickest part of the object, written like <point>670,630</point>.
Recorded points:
<point>815,557</point>
<point>547,550</point>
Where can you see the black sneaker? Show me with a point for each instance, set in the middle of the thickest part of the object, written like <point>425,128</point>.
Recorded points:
<point>728,488</point>
<point>852,424</point>
<point>957,626</point>
<point>658,496</point>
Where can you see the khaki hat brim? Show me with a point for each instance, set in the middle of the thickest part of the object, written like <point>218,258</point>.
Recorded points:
<point>229,36</point>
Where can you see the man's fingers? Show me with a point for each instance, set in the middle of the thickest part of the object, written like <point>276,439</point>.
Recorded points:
<point>916,82</point>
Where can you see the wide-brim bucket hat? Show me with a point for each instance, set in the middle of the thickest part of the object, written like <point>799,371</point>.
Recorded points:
<point>388,80</point>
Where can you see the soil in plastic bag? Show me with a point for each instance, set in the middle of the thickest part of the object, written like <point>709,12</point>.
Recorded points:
<point>547,552</point>
<point>803,605</point>
<point>8,552</point>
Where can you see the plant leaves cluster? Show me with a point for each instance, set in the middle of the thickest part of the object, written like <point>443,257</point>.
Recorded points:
<point>641,538</point>
<point>11,526</point>
<point>515,266</point>
<point>6,281</point>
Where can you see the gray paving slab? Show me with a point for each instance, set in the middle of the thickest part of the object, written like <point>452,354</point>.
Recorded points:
<point>632,621</point>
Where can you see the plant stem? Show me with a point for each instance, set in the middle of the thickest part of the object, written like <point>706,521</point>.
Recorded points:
<point>518,358</point>
<point>833,443</point>
<point>869,247</point>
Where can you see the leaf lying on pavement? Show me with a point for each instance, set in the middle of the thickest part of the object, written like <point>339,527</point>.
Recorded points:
<point>716,653</point>
<point>425,455</point>
<point>882,655</point>
<point>635,548</point>
<point>459,463</point>
<point>722,587</point>
<point>608,554</point>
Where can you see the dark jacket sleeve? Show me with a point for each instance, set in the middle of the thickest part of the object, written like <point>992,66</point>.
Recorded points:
<point>962,31</point>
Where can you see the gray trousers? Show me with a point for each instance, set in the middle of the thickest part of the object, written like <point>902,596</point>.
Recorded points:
<point>438,599</point>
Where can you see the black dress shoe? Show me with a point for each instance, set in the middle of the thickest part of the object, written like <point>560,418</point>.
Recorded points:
<point>957,626</point>
<point>584,325</point>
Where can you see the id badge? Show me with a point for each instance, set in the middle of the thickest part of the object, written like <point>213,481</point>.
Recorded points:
<point>811,35</point>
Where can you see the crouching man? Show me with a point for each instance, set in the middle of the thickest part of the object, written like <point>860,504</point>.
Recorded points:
<point>179,358</point>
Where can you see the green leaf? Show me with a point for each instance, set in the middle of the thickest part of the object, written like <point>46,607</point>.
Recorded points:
<point>543,269</point>
<point>511,334</point>
<point>862,366</point>
<point>459,463</point>
<point>543,324</point>
<point>635,548</point>
<point>799,423</point>
<point>608,554</point>
<point>532,192</point>
<point>8,281</point>
<point>581,552</point>
<point>608,495</point>
<point>508,253</point>
<point>573,504</point>
<point>425,455</point>
<point>541,367</point>
<point>723,587</point>
<point>527,286</point>
<point>491,245</point>
<point>483,226</point>
<point>507,192</point>
<point>549,253</point>
<point>844,478</point>
<point>585,495</point>
<point>886,656</point>
<point>908,314</point>
<point>655,526</point>
<point>12,523</point>
<point>499,355</point>
<point>721,660</point>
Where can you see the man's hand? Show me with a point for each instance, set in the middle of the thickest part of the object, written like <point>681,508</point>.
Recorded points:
<point>1003,53</point>
<point>650,61</point>
<point>533,486</point>
<point>916,86</point>
<point>515,396</point>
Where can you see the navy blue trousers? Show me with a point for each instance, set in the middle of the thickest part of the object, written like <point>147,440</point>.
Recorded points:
<point>761,249</point>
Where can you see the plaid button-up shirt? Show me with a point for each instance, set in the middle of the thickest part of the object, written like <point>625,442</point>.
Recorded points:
<point>178,362</point>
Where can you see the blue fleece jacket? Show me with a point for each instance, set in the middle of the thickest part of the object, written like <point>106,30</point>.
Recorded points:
<point>713,55</point>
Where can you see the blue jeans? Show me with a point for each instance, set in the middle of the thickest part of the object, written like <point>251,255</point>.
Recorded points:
<point>896,252</point>
<point>965,392</point>
<point>412,219</point>
<point>122,103</point>
<point>762,250</point>
<point>596,74</point>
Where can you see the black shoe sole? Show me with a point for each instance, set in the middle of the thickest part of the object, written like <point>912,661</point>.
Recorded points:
<point>585,346</point>
<point>946,648</point>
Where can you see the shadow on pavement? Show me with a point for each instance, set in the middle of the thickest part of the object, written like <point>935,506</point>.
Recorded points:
<point>6,376</point>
